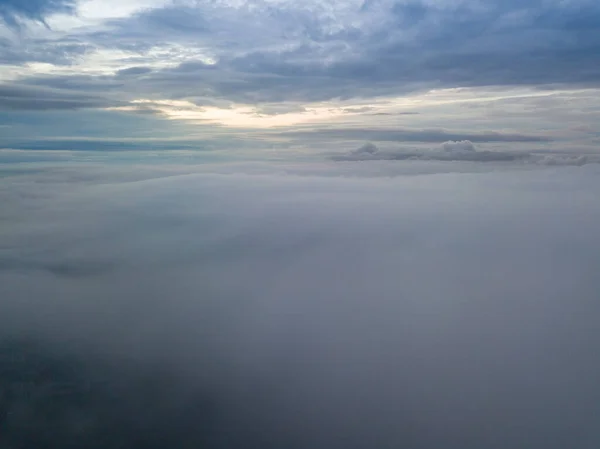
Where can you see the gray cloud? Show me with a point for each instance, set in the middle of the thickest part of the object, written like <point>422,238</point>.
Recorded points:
<point>13,11</point>
<point>449,151</point>
<point>60,51</point>
<point>268,53</point>
<point>464,151</point>
<point>411,135</point>
<point>24,97</point>
<point>358,110</point>
<point>460,46</point>
<point>154,25</point>
<point>133,71</point>
<point>270,313</point>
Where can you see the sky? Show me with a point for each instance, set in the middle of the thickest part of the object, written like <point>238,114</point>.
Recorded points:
<point>299,225</point>
<point>279,72</point>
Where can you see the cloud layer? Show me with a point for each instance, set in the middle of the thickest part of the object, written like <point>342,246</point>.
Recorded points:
<point>291,309</point>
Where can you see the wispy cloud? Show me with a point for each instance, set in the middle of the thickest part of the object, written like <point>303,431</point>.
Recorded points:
<point>13,11</point>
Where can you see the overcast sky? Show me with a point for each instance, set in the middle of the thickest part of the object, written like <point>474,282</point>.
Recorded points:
<point>153,70</point>
<point>277,224</point>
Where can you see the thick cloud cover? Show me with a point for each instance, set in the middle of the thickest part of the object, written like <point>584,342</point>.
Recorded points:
<point>279,306</point>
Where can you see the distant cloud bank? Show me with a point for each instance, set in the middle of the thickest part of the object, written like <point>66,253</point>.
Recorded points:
<point>465,151</point>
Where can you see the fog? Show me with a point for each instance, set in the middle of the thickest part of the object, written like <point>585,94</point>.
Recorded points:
<point>373,304</point>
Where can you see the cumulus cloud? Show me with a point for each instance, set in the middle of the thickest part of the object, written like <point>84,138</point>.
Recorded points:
<point>246,307</point>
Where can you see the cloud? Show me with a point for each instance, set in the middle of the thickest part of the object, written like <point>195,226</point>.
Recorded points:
<point>283,52</point>
<point>458,146</point>
<point>358,110</point>
<point>368,148</point>
<point>81,130</point>
<point>12,11</point>
<point>86,395</point>
<point>410,135</point>
<point>565,159</point>
<point>23,97</point>
<point>464,151</point>
<point>466,47</point>
<point>279,108</point>
<point>59,52</point>
<point>133,71</point>
<point>262,310</point>
<point>449,151</point>
<point>386,72</point>
<point>172,20</point>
